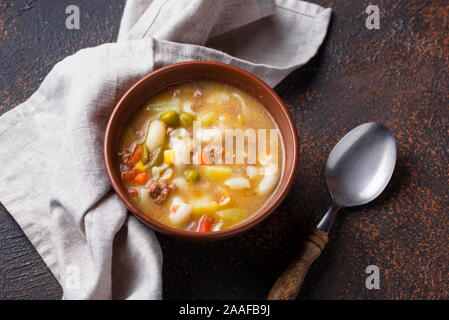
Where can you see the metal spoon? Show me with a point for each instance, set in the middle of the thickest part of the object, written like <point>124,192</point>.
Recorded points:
<point>357,171</point>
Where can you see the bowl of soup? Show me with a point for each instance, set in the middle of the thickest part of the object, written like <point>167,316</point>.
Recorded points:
<point>201,150</point>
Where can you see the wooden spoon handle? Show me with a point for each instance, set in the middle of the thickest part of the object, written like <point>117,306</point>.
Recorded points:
<point>289,283</point>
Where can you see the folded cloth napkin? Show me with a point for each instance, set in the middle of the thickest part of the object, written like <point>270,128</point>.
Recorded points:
<point>53,180</point>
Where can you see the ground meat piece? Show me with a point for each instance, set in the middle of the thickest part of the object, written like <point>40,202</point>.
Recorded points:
<point>159,191</point>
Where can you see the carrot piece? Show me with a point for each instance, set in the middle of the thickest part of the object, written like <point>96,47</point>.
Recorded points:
<point>205,158</point>
<point>135,156</point>
<point>205,224</point>
<point>141,178</point>
<point>132,192</point>
<point>129,175</point>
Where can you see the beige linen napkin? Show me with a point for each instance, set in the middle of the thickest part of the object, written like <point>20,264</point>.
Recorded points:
<point>52,179</point>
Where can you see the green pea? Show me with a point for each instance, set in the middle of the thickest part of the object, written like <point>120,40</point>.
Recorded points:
<point>185,119</point>
<point>192,175</point>
<point>170,117</point>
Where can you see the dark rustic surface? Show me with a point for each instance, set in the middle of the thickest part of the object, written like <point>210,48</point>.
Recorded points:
<point>397,75</point>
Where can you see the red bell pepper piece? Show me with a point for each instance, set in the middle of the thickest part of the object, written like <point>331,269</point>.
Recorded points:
<point>205,224</point>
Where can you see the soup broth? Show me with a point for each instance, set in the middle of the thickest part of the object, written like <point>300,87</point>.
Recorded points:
<point>179,166</point>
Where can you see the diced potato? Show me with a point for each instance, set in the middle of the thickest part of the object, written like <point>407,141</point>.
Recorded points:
<point>238,183</point>
<point>217,172</point>
<point>204,206</point>
<point>207,118</point>
<point>232,215</point>
<point>156,134</point>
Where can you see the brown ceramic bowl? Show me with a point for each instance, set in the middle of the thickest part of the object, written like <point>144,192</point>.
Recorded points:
<point>201,70</point>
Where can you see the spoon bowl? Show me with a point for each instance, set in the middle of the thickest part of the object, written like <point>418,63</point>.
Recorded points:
<point>361,165</point>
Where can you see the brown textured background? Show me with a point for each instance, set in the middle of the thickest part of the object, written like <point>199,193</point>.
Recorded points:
<point>397,75</point>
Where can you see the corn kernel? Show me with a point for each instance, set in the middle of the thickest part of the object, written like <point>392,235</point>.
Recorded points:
<point>240,119</point>
<point>169,156</point>
<point>140,166</point>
